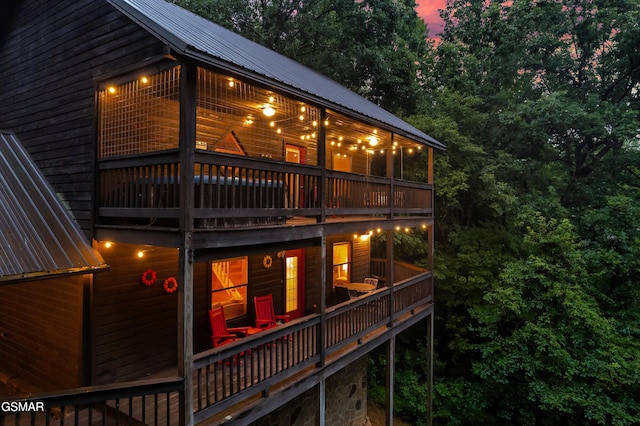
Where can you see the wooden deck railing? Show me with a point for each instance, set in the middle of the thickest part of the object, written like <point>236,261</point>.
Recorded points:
<point>401,270</point>
<point>242,191</point>
<point>153,402</point>
<point>248,367</point>
<point>236,372</point>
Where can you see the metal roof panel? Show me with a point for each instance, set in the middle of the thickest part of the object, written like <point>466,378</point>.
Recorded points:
<point>201,39</point>
<point>38,237</point>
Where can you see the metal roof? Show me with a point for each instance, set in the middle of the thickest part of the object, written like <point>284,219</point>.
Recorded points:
<point>38,237</point>
<point>195,37</point>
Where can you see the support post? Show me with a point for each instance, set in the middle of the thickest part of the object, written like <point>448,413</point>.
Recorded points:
<point>430,326</point>
<point>322,402</point>
<point>322,330</point>
<point>390,378</point>
<point>390,173</point>
<point>390,274</point>
<point>322,162</point>
<point>188,87</point>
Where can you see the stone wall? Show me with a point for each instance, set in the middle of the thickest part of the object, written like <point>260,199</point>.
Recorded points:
<point>346,401</point>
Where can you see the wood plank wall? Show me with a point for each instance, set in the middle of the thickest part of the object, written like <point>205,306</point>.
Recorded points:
<point>135,326</point>
<point>312,266</point>
<point>263,281</point>
<point>52,58</point>
<point>360,256</point>
<point>41,333</point>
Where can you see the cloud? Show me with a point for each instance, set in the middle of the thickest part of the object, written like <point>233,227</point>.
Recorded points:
<point>428,11</point>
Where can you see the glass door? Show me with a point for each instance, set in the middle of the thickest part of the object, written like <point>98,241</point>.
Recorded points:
<point>294,283</point>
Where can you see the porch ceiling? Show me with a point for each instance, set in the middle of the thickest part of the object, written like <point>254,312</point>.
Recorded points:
<point>38,237</point>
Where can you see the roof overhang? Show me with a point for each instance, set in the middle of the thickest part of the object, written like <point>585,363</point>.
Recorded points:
<point>38,237</point>
<point>206,42</point>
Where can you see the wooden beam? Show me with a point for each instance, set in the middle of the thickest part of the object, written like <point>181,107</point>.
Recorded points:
<point>390,377</point>
<point>322,402</point>
<point>188,93</point>
<point>429,401</point>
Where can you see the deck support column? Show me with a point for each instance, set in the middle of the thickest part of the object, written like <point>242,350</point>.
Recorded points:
<point>390,378</point>
<point>322,162</point>
<point>322,402</point>
<point>187,142</point>
<point>430,369</point>
<point>322,329</point>
<point>390,275</point>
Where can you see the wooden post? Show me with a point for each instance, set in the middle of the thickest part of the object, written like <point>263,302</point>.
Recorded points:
<point>390,377</point>
<point>390,270</point>
<point>188,87</point>
<point>430,325</point>
<point>390,273</point>
<point>322,402</point>
<point>322,330</point>
<point>390,172</point>
<point>322,163</point>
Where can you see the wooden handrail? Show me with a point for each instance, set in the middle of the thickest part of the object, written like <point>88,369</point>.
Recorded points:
<point>239,191</point>
<point>227,375</point>
<point>146,401</point>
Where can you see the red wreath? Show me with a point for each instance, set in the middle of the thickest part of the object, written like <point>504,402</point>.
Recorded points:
<point>170,285</point>
<point>148,277</point>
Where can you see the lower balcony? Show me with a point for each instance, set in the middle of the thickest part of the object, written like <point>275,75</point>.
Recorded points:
<point>253,374</point>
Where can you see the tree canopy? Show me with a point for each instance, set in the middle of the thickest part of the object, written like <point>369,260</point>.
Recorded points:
<point>538,192</point>
<point>375,47</point>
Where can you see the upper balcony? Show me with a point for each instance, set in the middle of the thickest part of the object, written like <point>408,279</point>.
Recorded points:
<point>258,158</point>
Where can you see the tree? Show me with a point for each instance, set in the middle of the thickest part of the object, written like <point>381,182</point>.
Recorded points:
<point>550,355</point>
<point>538,105</point>
<point>571,69</point>
<point>378,48</point>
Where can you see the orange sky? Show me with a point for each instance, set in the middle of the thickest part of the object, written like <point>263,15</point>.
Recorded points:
<point>428,10</point>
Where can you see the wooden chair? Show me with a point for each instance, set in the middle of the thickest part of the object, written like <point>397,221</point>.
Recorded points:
<point>220,333</point>
<point>342,294</point>
<point>371,280</point>
<point>265,314</point>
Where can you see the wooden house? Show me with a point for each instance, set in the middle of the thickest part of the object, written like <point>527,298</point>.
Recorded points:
<point>206,171</point>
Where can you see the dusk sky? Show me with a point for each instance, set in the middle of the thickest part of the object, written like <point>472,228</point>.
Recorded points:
<point>428,10</point>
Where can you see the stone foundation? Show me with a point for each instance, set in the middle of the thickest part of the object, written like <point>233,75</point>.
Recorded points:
<point>346,402</point>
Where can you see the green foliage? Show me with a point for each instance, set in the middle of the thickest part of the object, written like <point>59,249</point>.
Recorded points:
<point>547,341</point>
<point>537,194</point>
<point>537,212</point>
<point>377,48</point>
<point>410,376</point>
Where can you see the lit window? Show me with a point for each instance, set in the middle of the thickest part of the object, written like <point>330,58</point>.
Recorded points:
<point>341,262</point>
<point>229,279</point>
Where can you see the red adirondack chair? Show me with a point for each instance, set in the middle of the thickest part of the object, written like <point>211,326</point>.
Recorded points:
<point>265,314</point>
<point>220,333</point>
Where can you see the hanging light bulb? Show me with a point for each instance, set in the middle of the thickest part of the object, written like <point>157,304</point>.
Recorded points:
<point>268,110</point>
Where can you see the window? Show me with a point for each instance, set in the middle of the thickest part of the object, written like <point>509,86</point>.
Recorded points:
<point>229,279</point>
<point>341,262</point>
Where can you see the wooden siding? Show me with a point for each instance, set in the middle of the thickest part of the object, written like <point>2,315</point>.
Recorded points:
<point>134,326</point>
<point>359,261</point>
<point>312,265</point>
<point>263,281</point>
<point>52,57</point>
<point>41,333</point>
